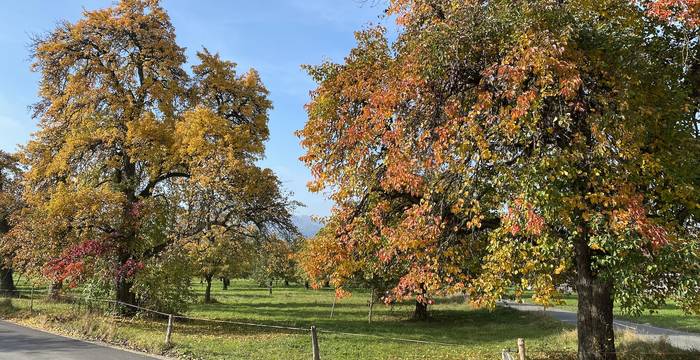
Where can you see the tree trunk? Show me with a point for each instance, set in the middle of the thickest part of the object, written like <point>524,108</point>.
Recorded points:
<point>421,311</point>
<point>124,293</point>
<point>7,283</point>
<point>55,291</point>
<point>286,283</point>
<point>126,179</point>
<point>126,296</point>
<point>207,292</point>
<point>596,339</point>
<point>226,282</point>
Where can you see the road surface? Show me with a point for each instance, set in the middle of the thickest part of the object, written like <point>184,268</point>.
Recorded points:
<point>20,343</point>
<point>679,339</point>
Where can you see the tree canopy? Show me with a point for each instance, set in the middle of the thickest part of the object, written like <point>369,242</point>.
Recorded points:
<point>510,144</point>
<point>127,137</point>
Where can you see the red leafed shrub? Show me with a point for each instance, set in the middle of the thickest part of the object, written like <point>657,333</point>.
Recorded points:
<point>72,264</point>
<point>129,269</point>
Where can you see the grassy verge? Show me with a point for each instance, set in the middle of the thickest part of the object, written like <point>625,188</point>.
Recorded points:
<point>669,316</point>
<point>470,333</point>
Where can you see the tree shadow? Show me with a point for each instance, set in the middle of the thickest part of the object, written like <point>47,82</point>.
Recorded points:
<point>463,327</point>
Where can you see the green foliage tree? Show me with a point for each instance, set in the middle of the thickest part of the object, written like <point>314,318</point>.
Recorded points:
<point>274,261</point>
<point>223,226</point>
<point>165,282</point>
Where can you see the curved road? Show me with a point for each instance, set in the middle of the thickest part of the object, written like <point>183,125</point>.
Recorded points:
<point>679,339</point>
<point>20,343</point>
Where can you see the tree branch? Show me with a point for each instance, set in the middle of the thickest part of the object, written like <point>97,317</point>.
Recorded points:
<point>148,190</point>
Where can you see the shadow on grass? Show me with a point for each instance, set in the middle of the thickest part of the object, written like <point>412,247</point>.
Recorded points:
<point>636,349</point>
<point>6,308</point>
<point>461,326</point>
<point>465,327</point>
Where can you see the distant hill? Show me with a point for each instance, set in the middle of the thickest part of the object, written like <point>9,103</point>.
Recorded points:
<point>307,226</point>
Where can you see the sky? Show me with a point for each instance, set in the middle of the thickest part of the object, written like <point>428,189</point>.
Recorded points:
<point>273,36</point>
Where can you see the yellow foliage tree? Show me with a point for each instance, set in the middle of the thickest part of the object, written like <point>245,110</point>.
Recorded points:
<point>123,128</point>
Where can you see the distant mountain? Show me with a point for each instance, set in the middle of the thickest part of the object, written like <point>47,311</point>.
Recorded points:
<point>307,225</point>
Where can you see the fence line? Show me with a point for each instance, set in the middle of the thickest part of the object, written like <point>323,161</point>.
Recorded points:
<point>390,338</point>
<point>292,328</point>
<point>38,290</point>
<point>240,323</point>
<point>134,306</point>
<point>279,327</point>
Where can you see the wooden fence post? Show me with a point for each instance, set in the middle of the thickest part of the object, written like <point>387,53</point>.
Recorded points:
<point>371,305</point>
<point>521,348</point>
<point>169,330</point>
<point>31,300</point>
<point>333,307</point>
<point>505,355</point>
<point>314,344</point>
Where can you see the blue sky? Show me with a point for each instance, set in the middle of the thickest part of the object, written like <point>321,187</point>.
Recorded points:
<point>273,36</point>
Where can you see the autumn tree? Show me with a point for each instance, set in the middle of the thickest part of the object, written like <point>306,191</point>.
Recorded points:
<point>527,144</point>
<point>121,124</point>
<point>216,253</point>
<point>10,205</point>
<point>324,260</point>
<point>274,261</point>
<point>223,227</point>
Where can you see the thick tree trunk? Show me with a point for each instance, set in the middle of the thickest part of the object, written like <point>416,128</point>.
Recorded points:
<point>421,311</point>
<point>126,296</point>
<point>124,293</point>
<point>55,291</point>
<point>7,283</point>
<point>596,339</point>
<point>126,178</point>
<point>207,292</point>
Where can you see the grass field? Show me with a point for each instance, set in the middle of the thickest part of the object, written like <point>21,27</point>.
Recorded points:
<point>465,333</point>
<point>669,316</point>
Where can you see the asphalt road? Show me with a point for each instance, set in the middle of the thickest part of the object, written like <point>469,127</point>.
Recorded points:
<point>679,339</point>
<point>19,343</point>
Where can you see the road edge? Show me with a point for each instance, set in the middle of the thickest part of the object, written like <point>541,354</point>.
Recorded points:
<point>89,341</point>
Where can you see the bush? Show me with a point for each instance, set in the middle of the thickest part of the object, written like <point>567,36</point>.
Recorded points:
<point>98,288</point>
<point>164,283</point>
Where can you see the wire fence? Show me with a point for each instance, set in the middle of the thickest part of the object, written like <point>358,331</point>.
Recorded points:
<point>89,304</point>
<point>112,308</point>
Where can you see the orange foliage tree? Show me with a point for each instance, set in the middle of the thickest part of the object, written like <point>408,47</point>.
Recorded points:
<point>507,144</point>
